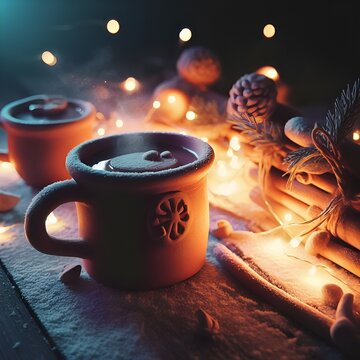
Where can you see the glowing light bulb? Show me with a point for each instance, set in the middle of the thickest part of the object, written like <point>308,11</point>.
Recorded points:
<point>230,153</point>
<point>101,131</point>
<point>113,26</point>
<point>3,229</point>
<point>51,219</point>
<point>234,143</point>
<point>119,123</point>
<point>269,31</point>
<point>171,99</point>
<point>312,270</point>
<point>234,162</point>
<point>295,242</point>
<point>130,84</point>
<point>356,136</point>
<point>48,58</point>
<point>6,165</point>
<point>156,104</point>
<point>288,217</point>
<point>221,168</point>
<point>185,34</point>
<point>270,72</point>
<point>190,115</point>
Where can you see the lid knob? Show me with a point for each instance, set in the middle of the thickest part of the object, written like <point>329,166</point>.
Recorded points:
<point>49,106</point>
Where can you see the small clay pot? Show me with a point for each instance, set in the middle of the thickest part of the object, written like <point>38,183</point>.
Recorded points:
<point>142,208</point>
<point>41,130</point>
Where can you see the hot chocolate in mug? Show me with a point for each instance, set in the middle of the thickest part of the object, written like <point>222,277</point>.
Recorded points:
<point>142,206</point>
<point>41,130</point>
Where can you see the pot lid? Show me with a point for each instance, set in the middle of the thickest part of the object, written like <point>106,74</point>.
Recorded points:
<point>45,110</point>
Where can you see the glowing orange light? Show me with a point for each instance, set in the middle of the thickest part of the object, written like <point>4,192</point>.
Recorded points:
<point>230,153</point>
<point>171,99</point>
<point>48,58</point>
<point>101,131</point>
<point>234,162</point>
<point>312,270</point>
<point>190,115</point>
<point>295,242</point>
<point>356,136</point>
<point>172,103</point>
<point>113,26</point>
<point>6,165</point>
<point>3,229</point>
<point>119,123</point>
<point>185,34</point>
<point>51,219</point>
<point>130,84</point>
<point>205,139</point>
<point>234,143</point>
<point>156,104</point>
<point>270,72</point>
<point>269,30</point>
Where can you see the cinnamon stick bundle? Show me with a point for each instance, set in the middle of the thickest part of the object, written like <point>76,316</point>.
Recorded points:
<point>346,227</point>
<point>325,182</point>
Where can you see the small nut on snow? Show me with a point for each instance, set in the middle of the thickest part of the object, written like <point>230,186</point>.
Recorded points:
<point>332,294</point>
<point>70,274</point>
<point>223,230</point>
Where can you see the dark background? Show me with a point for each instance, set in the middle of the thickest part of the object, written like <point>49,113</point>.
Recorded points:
<point>314,50</point>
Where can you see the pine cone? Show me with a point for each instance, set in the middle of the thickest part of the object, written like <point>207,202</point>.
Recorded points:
<point>253,94</point>
<point>199,66</point>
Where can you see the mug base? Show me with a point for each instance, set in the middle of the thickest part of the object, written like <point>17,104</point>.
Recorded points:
<point>145,284</point>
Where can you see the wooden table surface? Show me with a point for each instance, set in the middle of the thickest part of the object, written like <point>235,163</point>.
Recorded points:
<point>21,334</point>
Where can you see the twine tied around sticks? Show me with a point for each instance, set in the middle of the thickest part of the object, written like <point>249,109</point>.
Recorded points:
<point>346,194</point>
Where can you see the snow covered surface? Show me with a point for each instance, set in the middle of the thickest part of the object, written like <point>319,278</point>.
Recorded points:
<point>88,320</point>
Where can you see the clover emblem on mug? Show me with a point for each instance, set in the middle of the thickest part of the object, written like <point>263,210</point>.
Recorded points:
<point>170,218</point>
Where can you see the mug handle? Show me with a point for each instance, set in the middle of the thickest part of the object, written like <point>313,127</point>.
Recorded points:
<point>42,204</point>
<point>4,156</point>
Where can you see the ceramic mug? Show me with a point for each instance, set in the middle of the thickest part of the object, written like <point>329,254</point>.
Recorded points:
<point>41,130</point>
<point>143,213</point>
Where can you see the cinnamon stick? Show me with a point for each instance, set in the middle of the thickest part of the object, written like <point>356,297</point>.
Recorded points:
<point>326,182</point>
<point>321,243</point>
<point>304,314</point>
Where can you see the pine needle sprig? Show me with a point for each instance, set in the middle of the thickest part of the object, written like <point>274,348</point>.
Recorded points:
<point>268,140</point>
<point>327,146</point>
<point>328,138</point>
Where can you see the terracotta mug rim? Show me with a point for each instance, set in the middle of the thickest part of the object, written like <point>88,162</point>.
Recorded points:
<point>83,172</point>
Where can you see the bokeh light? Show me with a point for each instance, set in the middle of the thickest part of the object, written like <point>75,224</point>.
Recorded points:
<point>185,34</point>
<point>270,72</point>
<point>130,84</point>
<point>113,26</point>
<point>190,115</point>
<point>295,242</point>
<point>48,58</point>
<point>51,219</point>
<point>101,131</point>
<point>171,99</point>
<point>119,123</point>
<point>269,31</point>
<point>156,104</point>
<point>356,136</point>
